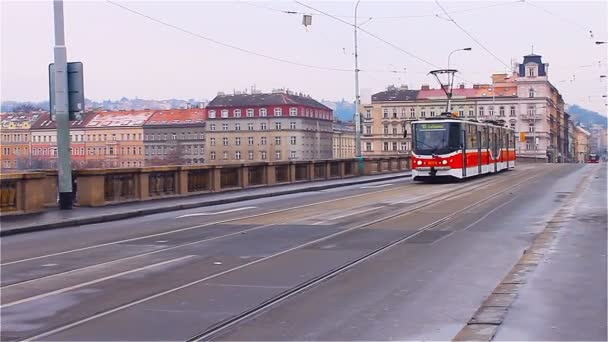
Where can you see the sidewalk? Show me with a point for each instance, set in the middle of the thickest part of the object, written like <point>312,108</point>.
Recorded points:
<point>564,299</point>
<point>55,218</point>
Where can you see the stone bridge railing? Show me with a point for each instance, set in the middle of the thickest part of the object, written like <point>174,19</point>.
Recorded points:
<point>34,191</point>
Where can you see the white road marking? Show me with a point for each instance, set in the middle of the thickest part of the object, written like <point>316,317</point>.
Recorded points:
<point>345,215</point>
<point>217,212</point>
<point>197,226</point>
<point>162,241</point>
<point>74,287</point>
<point>375,186</point>
<point>49,265</point>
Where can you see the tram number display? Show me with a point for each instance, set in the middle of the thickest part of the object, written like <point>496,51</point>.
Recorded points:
<point>431,126</point>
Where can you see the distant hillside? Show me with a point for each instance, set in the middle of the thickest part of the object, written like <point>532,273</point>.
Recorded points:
<point>586,117</point>
<point>343,110</point>
<point>124,103</point>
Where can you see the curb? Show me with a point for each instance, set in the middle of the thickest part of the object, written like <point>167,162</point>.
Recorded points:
<point>157,210</point>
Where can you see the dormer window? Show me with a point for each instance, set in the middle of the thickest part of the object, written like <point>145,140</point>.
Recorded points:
<point>531,70</point>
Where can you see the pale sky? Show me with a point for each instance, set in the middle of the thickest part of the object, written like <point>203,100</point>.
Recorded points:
<point>128,55</point>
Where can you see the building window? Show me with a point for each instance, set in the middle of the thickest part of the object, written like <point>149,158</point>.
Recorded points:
<point>224,113</point>
<point>531,127</point>
<point>292,154</point>
<point>481,111</point>
<point>395,130</point>
<point>423,113</point>
<point>394,112</point>
<point>368,114</point>
<point>237,126</point>
<point>412,112</point>
<point>263,155</point>
<point>237,141</point>
<point>368,129</point>
<point>403,111</point>
<point>212,155</point>
<point>277,125</point>
<point>250,140</point>
<point>224,127</point>
<point>225,141</point>
<point>432,113</point>
<point>531,72</point>
<point>263,140</point>
<point>263,112</point>
<point>394,146</point>
<point>531,110</point>
<point>250,155</point>
<point>385,129</point>
<point>173,136</point>
<point>237,113</point>
<point>368,146</point>
<point>293,111</point>
<point>512,113</point>
<point>212,141</point>
<point>250,126</point>
<point>278,112</point>
<point>385,146</point>
<point>263,126</point>
<point>501,111</point>
<point>225,155</point>
<point>292,125</point>
<point>491,111</point>
<point>403,146</point>
<point>211,114</point>
<point>250,112</point>
<point>277,155</point>
<point>471,112</point>
<point>237,155</point>
<point>277,140</point>
<point>385,113</point>
<point>293,140</point>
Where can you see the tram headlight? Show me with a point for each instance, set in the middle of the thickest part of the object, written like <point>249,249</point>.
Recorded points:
<point>419,162</point>
<point>444,162</point>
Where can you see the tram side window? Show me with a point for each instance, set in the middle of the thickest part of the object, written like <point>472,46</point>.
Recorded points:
<point>491,137</point>
<point>484,137</point>
<point>472,142</point>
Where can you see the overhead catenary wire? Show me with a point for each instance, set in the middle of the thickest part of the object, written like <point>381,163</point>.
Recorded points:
<point>471,36</point>
<point>586,29</point>
<point>234,47</point>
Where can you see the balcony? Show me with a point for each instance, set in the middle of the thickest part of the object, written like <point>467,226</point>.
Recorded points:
<point>530,116</point>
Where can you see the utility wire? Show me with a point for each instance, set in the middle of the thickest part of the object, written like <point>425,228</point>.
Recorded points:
<point>242,49</point>
<point>368,33</point>
<point>277,59</point>
<point>470,36</point>
<point>586,29</point>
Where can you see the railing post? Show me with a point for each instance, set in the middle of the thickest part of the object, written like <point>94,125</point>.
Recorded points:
<point>91,188</point>
<point>310,168</point>
<point>30,196</point>
<point>327,169</point>
<point>216,178</point>
<point>50,188</point>
<point>292,173</point>
<point>143,185</point>
<point>244,175</point>
<point>341,168</point>
<point>182,180</point>
<point>271,174</point>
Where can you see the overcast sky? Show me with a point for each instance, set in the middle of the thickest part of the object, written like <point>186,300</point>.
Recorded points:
<point>125,54</point>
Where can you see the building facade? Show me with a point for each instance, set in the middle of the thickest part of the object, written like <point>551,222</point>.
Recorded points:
<point>343,140</point>
<point>16,139</point>
<point>175,137</point>
<point>526,101</point>
<point>582,144</point>
<point>275,126</point>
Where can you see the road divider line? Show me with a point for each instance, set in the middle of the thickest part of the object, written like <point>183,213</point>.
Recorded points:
<point>218,212</point>
<point>201,226</point>
<point>289,293</point>
<point>375,186</point>
<point>74,287</point>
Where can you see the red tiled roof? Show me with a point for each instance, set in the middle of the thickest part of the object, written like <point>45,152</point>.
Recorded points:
<point>131,118</point>
<point>45,122</point>
<point>177,117</point>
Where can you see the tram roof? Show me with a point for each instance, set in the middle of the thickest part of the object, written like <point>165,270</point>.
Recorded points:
<point>498,123</point>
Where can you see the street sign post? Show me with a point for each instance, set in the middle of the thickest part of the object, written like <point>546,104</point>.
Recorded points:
<point>75,90</point>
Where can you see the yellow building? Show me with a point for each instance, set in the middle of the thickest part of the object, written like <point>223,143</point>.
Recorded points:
<point>343,140</point>
<point>582,144</point>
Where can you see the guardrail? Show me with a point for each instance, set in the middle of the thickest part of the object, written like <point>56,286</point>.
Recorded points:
<point>33,191</point>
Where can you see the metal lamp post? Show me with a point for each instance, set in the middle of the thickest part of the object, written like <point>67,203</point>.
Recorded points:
<point>450,92</point>
<point>357,99</point>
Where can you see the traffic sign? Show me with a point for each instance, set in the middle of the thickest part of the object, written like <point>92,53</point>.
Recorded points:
<point>75,90</point>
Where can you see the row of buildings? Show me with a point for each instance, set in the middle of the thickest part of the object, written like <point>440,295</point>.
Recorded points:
<point>277,126</point>
<point>283,125</point>
<point>526,101</point>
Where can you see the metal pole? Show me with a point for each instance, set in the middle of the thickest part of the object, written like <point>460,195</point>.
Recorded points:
<point>61,111</point>
<point>357,99</point>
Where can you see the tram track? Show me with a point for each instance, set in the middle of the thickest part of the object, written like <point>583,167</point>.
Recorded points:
<point>222,326</point>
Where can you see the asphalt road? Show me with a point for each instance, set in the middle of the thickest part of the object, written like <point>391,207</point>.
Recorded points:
<point>173,276</point>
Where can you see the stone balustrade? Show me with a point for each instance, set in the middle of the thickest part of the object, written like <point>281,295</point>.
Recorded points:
<point>33,191</point>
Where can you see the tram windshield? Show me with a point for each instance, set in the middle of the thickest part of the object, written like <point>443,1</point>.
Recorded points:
<point>436,137</point>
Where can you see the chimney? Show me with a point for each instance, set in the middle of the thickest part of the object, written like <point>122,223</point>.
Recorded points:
<point>461,86</point>
<point>403,87</point>
<point>425,87</point>
<point>475,86</point>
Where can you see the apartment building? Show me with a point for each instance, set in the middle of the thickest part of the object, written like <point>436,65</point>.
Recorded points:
<point>15,139</point>
<point>175,136</point>
<point>343,140</point>
<point>273,126</point>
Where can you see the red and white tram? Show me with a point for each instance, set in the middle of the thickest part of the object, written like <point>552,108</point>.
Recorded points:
<point>457,148</point>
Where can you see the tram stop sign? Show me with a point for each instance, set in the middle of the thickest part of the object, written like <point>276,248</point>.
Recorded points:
<point>75,90</point>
